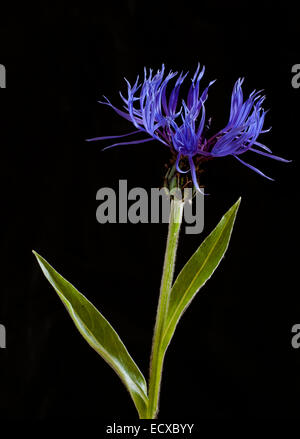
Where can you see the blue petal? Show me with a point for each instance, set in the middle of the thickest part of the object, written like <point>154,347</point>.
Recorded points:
<point>177,165</point>
<point>128,143</point>
<point>111,137</point>
<point>253,168</point>
<point>194,176</point>
<point>272,156</point>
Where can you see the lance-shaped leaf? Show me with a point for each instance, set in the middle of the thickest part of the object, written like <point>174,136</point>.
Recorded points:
<point>100,335</point>
<point>197,271</point>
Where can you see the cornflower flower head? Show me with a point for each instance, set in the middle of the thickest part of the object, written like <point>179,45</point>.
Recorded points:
<point>180,126</point>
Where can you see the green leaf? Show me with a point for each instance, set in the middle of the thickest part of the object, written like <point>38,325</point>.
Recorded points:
<point>196,272</point>
<point>99,334</point>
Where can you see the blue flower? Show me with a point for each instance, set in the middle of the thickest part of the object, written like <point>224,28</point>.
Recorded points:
<point>181,126</point>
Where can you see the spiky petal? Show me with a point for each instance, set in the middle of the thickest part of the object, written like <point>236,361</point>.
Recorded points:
<point>180,126</point>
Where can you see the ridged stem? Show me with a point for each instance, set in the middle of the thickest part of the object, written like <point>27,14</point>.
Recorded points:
<point>157,357</point>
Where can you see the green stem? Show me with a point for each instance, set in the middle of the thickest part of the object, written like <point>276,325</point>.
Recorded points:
<point>157,357</point>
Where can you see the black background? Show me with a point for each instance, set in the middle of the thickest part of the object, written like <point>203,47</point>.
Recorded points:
<point>231,356</point>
